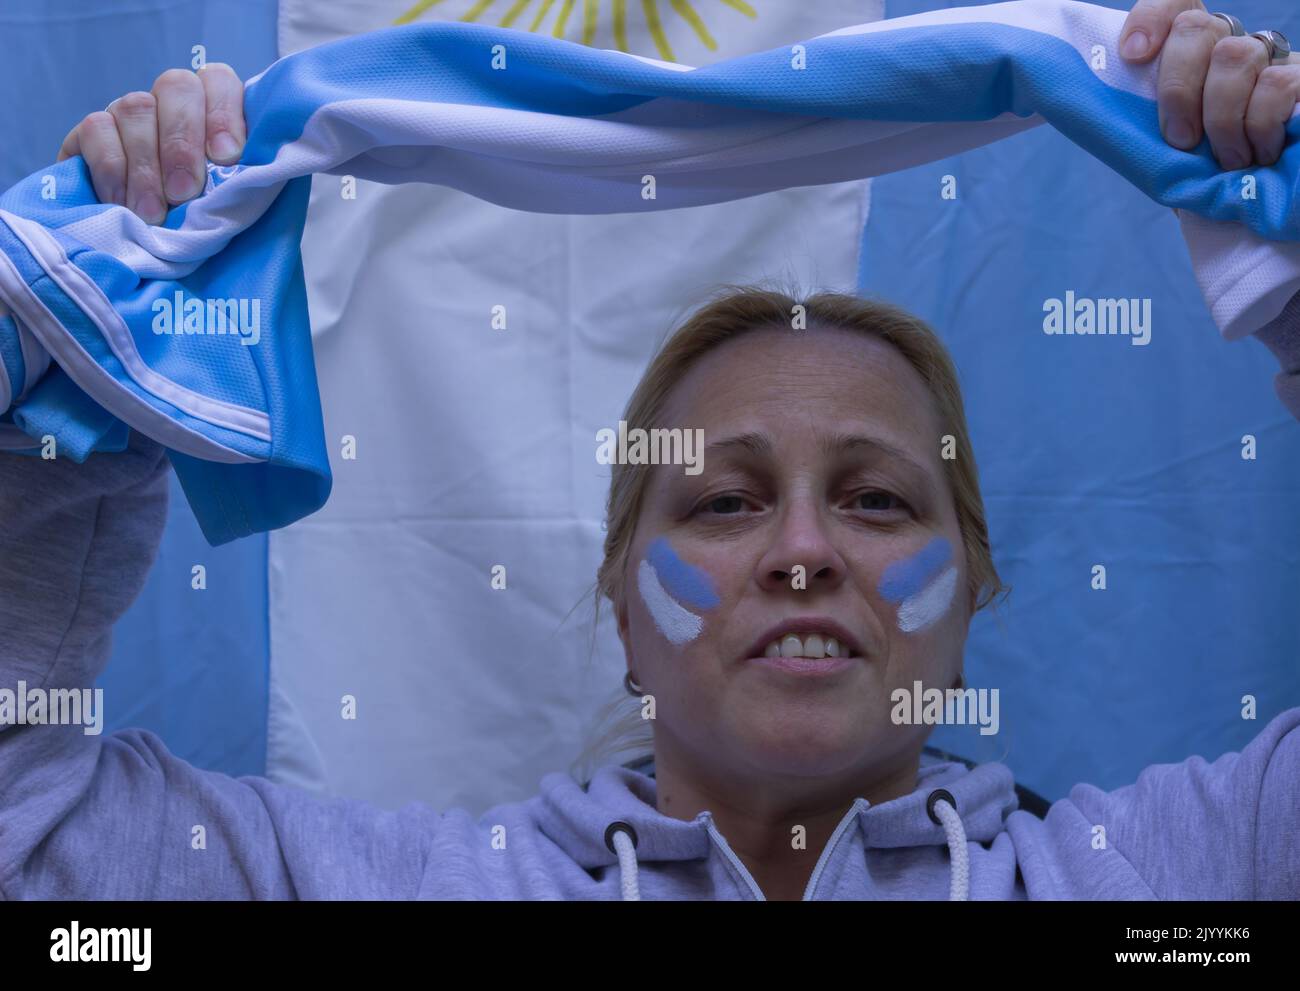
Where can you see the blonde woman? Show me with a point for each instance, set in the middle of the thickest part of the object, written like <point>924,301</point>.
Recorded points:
<point>771,608</point>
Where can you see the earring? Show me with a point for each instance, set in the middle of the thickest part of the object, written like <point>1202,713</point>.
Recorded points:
<point>630,684</point>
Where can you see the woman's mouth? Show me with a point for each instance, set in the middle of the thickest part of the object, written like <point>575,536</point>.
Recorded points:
<point>806,645</point>
<point>807,665</point>
<point>807,653</point>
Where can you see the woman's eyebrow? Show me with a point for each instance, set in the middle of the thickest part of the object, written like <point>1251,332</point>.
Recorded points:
<point>832,444</point>
<point>760,445</point>
<point>753,443</point>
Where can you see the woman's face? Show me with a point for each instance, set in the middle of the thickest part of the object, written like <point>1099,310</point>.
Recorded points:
<point>822,448</point>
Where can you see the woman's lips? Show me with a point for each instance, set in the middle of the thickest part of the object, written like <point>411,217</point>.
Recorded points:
<point>807,666</point>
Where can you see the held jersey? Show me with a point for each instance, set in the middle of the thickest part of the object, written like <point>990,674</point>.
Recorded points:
<point>195,333</point>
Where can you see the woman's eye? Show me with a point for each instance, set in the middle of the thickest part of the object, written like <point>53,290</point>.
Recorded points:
<point>877,501</point>
<point>724,504</point>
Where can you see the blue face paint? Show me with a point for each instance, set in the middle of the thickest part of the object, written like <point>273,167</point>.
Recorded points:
<point>689,585</point>
<point>907,577</point>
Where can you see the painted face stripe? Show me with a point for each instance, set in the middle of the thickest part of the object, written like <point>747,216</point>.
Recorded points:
<point>921,610</point>
<point>685,582</point>
<point>906,578</point>
<point>674,622</point>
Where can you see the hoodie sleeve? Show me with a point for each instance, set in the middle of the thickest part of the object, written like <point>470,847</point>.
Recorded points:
<point>91,817</point>
<point>1221,830</point>
<point>1281,335</point>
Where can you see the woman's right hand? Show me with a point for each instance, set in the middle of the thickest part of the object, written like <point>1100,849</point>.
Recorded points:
<point>148,151</point>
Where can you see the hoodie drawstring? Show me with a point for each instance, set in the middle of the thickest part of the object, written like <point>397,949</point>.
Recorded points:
<point>620,837</point>
<point>942,808</point>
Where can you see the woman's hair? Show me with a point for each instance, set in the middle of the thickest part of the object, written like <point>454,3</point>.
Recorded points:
<point>732,312</point>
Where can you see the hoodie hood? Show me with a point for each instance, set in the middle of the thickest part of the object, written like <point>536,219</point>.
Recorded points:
<point>583,820</point>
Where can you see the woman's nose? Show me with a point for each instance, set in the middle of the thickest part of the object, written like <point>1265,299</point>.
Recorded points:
<point>801,554</point>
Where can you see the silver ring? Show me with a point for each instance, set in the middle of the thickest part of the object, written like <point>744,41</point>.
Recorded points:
<point>1279,49</point>
<point>1238,29</point>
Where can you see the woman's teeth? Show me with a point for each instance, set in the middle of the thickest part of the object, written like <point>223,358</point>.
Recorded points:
<point>811,645</point>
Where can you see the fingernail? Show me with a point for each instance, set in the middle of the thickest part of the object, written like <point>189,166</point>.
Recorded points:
<point>181,185</point>
<point>1180,132</point>
<point>1135,45</point>
<point>149,208</point>
<point>224,146</point>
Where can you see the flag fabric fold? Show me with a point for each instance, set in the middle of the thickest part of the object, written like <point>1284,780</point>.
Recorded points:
<point>196,332</point>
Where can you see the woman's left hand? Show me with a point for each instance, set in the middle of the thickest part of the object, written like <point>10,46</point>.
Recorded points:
<point>1212,84</point>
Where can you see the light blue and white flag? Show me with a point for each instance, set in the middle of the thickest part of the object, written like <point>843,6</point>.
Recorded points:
<point>196,332</point>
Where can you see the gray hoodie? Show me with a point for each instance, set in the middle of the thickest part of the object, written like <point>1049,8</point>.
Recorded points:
<point>89,816</point>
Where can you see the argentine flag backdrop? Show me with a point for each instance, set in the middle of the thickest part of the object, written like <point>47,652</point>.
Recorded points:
<point>1091,451</point>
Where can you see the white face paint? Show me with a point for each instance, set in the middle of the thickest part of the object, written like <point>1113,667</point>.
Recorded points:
<point>673,620</point>
<point>928,605</point>
<point>923,585</point>
<point>667,585</point>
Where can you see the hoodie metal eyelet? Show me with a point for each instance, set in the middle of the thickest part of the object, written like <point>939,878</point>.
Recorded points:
<point>939,795</point>
<point>615,826</point>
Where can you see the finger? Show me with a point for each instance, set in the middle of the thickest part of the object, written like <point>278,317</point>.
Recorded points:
<point>181,109</point>
<point>71,144</point>
<point>1183,68</point>
<point>98,142</point>
<point>1234,66</point>
<point>226,130</point>
<point>1271,106</point>
<point>1147,26</point>
<point>137,127</point>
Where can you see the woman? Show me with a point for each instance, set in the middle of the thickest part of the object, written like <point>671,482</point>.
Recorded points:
<point>830,553</point>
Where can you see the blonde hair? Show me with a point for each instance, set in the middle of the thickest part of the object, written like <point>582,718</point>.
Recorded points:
<point>732,312</point>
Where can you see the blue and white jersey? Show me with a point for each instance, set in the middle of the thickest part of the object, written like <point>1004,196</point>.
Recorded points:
<point>196,334</point>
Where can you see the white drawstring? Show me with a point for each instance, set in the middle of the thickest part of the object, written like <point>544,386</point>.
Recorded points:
<point>942,808</point>
<point>620,838</point>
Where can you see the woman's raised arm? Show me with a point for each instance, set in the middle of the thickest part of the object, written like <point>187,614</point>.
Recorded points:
<point>83,815</point>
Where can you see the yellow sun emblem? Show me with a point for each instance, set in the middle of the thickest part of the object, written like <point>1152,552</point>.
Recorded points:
<point>591,19</point>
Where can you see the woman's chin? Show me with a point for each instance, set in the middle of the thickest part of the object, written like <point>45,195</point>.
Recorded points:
<point>814,745</point>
